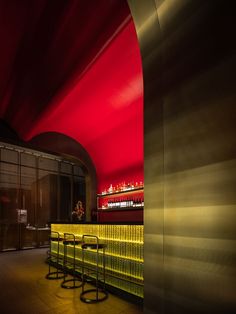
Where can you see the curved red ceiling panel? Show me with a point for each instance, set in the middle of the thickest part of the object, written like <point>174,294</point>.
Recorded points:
<point>104,109</point>
<point>100,103</point>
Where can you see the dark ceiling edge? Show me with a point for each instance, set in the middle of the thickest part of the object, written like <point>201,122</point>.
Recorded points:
<point>7,132</point>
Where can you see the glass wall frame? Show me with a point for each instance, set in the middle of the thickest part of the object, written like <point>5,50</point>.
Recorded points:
<point>35,189</point>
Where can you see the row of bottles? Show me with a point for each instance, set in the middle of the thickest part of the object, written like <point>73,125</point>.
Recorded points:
<point>124,203</point>
<point>123,187</point>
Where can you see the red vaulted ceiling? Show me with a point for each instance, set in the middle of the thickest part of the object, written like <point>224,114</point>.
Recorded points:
<point>74,67</point>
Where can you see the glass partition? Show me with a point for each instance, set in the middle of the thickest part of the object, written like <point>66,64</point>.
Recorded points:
<point>9,205</point>
<point>35,188</point>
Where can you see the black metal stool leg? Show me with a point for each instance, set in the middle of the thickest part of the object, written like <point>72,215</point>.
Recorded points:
<point>104,268</point>
<point>69,239</point>
<point>98,291</point>
<point>54,237</point>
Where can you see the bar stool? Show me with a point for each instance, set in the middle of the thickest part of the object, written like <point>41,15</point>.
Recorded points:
<point>69,239</point>
<point>54,258</point>
<point>102,290</point>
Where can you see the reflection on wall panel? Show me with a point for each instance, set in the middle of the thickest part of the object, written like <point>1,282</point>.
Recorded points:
<point>28,160</point>
<point>189,65</point>
<point>9,155</point>
<point>124,252</point>
<point>47,196</point>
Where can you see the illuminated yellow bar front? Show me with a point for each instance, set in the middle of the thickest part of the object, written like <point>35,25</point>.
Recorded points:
<point>124,252</point>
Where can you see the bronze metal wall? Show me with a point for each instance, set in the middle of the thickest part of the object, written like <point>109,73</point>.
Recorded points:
<point>189,65</point>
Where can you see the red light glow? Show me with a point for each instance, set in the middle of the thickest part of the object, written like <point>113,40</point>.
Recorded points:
<point>103,111</point>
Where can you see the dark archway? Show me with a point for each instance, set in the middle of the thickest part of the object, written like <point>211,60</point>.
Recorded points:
<point>66,146</point>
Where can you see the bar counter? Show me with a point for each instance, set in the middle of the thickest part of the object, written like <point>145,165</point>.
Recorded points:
<point>124,252</point>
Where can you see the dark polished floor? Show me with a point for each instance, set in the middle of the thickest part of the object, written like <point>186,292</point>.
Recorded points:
<point>24,289</point>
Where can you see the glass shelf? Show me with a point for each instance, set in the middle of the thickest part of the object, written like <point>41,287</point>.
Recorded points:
<point>119,209</point>
<point>120,193</point>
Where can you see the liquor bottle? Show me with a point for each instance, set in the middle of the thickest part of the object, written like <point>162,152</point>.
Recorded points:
<point>138,202</point>
<point>117,203</point>
<point>128,187</point>
<point>131,202</point>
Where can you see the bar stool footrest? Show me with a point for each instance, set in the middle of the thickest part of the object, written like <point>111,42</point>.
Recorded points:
<point>65,286</point>
<point>95,300</point>
<point>55,275</point>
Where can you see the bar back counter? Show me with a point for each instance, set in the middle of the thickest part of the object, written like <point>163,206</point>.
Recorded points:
<point>123,255</point>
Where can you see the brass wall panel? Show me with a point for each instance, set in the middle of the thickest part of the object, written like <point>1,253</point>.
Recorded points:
<point>189,64</point>
<point>148,30</point>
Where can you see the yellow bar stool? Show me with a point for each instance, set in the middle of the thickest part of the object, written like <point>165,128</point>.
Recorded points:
<point>99,293</point>
<point>69,264</point>
<point>54,258</point>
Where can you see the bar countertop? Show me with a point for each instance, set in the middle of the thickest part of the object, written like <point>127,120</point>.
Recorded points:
<point>95,223</point>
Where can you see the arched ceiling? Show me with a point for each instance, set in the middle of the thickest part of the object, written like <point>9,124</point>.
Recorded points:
<point>74,67</point>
